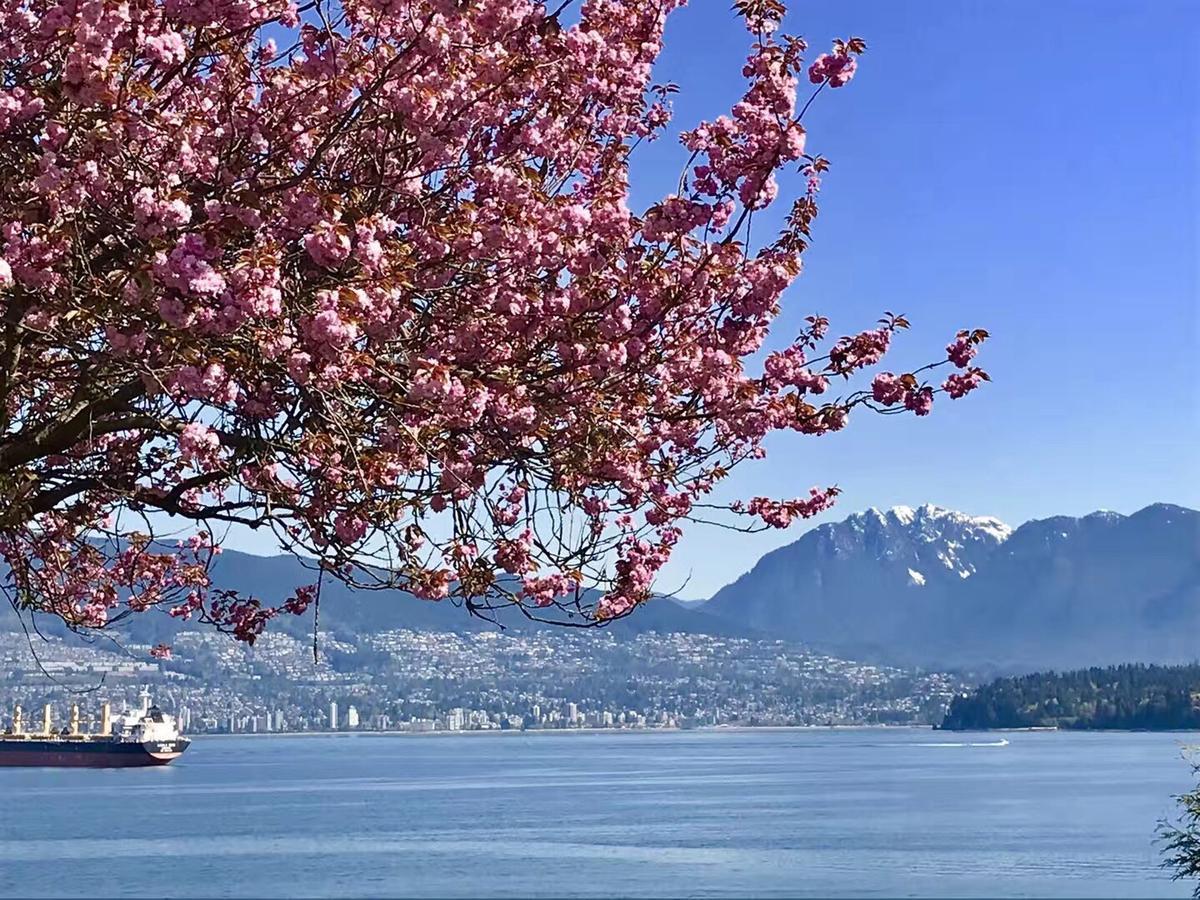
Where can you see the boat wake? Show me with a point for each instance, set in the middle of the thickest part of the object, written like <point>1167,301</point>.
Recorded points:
<point>1003,742</point>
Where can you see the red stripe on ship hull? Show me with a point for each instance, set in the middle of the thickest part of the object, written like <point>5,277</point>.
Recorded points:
<point>89,760</point>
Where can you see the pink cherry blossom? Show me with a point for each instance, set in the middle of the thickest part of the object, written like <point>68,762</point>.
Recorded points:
<point>920,401</point>
<point>328,245</point>
<point>959,384</point>
<point>835,68</point>
<point>349,528</point>
<point>781,513</point>
<point>198,444</point>
<point>887,389</point>
<point>860,351</point>
<point>961,351</point>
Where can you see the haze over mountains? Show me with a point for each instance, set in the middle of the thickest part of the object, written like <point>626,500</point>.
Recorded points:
<point>926,586</point>
<point>346,613</point>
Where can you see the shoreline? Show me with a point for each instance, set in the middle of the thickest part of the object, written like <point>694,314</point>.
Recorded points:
<point>541,731</point>
<point>741,729</point>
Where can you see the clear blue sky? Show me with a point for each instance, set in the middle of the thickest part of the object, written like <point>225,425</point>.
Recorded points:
<point>1027,167</point>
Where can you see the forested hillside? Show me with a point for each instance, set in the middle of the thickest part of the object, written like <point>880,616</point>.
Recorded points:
<point>1128,696</point>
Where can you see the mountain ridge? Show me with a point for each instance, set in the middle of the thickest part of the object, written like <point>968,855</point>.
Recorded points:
<point>344,611</point>
<point>933,586</point>
<point>925,586</point>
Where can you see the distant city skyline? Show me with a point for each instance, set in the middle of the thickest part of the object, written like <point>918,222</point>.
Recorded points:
<point>561,679</point>
<point>1025,168</point>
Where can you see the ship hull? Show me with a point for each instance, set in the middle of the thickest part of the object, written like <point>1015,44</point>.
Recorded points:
<point>90,754</point>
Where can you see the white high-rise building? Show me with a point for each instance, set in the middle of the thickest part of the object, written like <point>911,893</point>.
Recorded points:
<point>352,717</point>
<point>333,715</point>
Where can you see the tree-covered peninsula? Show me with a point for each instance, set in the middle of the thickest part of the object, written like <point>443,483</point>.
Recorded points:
<point>1126,696</point>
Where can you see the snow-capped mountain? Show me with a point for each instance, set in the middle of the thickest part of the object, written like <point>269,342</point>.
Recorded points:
<point>931,536</point>
<point>935,586</point>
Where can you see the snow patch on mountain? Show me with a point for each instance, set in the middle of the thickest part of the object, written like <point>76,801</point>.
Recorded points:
<point>930,522</point>
<point>993,527</point>
<point>915,578</point>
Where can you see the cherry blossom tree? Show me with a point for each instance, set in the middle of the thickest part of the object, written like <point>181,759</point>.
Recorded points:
<point>365,274</point>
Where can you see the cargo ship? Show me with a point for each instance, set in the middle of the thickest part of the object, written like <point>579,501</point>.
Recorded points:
<point>144,737</point>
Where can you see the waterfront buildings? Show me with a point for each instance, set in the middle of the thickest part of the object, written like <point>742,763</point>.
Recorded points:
<point>427,681</point>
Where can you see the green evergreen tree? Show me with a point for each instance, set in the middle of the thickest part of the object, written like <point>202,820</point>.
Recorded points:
<point>1127,696</point>
<point>1180,838</point>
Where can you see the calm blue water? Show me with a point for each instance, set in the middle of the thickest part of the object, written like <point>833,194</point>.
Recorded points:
<point>804,812</point>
